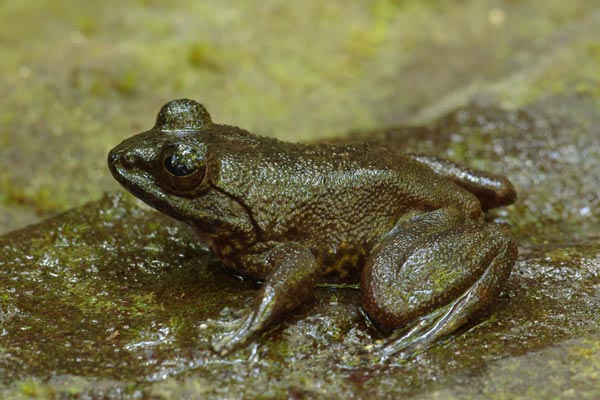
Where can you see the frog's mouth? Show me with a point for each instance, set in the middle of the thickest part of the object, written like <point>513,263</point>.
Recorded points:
<point>215,212</point>
<point>135,180</point>
<point>144,186</point>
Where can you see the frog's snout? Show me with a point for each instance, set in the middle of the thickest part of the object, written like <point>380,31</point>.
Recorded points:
<point>113,158</point>
<point>120,156</point>
<point>119,161</point>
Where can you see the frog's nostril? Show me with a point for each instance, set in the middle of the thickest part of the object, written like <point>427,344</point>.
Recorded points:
<point>128,160</point>
<point>113,157</point>
<point>120,158</point>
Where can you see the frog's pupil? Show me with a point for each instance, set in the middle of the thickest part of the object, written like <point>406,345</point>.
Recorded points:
<point>180,164</point>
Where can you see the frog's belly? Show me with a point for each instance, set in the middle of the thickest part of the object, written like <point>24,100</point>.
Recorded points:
<point>344,264</point>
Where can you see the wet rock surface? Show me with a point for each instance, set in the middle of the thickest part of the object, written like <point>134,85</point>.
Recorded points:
<point>114,295</point>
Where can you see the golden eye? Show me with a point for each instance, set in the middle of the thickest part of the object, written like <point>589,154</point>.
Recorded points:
<point>183,168</point>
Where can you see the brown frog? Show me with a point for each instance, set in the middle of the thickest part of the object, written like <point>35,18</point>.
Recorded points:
<point>411,226</point>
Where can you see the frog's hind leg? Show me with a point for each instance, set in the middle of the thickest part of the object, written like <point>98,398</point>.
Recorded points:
<point>431,275</point>
<point>491,190</point>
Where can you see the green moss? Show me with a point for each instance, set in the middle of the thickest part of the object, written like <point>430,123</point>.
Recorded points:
<point>87,24</point>
<point>127,82</point>
<point>41,199</point>
<point>563,255</point>
<point>202,55</point>
<point>366,42</point>
<point>588,351</point>
<point>32,388</point>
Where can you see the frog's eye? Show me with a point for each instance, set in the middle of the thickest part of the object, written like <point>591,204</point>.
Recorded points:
<point>183,168</point>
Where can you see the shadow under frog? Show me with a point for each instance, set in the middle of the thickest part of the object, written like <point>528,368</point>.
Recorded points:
<point>290,214</point>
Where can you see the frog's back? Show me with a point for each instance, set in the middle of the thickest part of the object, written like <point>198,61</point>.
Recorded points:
<point>338,200</point>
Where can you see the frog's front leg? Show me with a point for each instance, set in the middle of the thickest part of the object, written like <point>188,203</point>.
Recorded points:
<point>431,275</point>
<point>294,273</point>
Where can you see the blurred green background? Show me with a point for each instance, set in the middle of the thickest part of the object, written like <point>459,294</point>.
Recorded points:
<point>78,77</point>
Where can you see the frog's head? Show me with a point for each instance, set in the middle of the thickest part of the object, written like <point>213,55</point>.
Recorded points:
<point>171,168</point>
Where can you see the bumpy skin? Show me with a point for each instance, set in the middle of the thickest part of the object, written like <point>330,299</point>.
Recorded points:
<point>410,225</point>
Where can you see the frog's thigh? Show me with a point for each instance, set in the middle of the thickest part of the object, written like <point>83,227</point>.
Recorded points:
<point>441,278</point>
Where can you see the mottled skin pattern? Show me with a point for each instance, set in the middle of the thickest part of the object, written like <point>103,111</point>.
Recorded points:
<point>410,225</point>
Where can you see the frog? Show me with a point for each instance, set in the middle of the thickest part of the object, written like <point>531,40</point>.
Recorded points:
<point>410,229</point>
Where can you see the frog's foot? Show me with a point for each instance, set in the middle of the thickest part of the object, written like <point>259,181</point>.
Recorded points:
<point>292,280</point>
<point>434,282</point>
<point>238,332</point>
<point>224,324</point>
<point>405,343</point>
